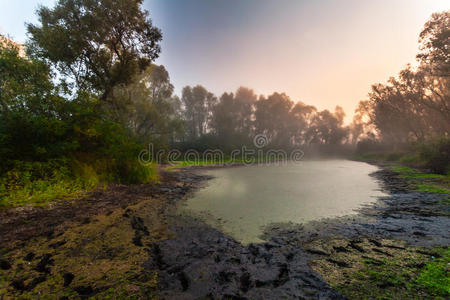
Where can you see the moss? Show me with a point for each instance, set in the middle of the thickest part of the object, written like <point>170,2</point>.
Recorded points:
<point>398,272</point>
<point>432,188</point>
<point>100,254</point>
<point>408,172</point>
<point>435,275</point>
<point>424,182</point>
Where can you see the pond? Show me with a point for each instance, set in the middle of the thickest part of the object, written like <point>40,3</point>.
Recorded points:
<point>241,201</point>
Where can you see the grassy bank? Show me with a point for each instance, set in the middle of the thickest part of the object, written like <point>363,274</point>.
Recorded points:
<point>412,169</point>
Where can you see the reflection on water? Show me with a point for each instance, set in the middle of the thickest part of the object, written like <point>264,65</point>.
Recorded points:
<point>245,199</point>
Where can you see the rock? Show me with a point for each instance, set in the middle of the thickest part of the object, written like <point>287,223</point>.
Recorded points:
<point>4,264</point>
<point>68,277</point>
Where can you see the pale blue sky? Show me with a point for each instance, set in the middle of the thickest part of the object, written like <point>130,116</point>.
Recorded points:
<point>321,52</point>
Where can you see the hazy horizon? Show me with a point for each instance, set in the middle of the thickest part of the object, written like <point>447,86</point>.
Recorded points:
<point>323,53</point>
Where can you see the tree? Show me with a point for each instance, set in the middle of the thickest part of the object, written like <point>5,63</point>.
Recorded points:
<point>327,127</point>
<point>273,118</point>
<point>25,84</point>
<point>303,116</point>
<point>149,108</point>
<point>32,115</point>
<point>232,116</point>
<point>98,44</point>
<point>198,107</point>
<point>435,44</point>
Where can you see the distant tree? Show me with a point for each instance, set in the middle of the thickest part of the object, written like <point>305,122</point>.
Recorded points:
<point>198,106</point>
<point>303,116</point>
<point>149,108</point>
<point>273,118</point>
<point>99,44</point>
<point>328,128</point>
<point>232,116</point>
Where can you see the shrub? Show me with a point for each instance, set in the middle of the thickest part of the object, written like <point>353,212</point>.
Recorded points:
<point>436,155</point>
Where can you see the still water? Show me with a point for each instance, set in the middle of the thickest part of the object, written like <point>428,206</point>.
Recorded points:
<point>241,201</point>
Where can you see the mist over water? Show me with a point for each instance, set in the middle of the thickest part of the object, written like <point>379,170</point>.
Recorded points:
<point>242,200</point>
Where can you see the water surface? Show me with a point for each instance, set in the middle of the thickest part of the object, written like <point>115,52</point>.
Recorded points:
<point>241,201</point>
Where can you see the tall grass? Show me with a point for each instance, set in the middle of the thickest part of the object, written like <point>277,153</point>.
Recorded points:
<point>38,183</point>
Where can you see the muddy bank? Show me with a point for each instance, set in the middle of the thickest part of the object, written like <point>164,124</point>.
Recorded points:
<point>203,262</point>
<point>94,246</point>
<point>128,241</point>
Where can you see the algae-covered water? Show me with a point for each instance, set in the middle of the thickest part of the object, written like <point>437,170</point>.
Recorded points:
<point>241,201</point>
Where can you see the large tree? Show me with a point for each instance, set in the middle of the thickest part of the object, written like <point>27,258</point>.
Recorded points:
<point>98,43</point>
<point>435,44</point>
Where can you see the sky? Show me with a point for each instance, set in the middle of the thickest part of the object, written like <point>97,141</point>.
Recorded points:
<point>324,53</point>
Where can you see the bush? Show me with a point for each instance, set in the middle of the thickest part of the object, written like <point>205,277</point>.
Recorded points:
<point>39,182</point>
<point>436,155</point>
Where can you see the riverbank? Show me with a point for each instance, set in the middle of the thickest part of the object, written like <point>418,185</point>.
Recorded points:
<point>318,259</point>
<point>94,246</point>
<point>128,241</point>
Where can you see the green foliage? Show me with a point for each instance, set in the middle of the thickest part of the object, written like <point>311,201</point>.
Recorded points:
<point>435,275</point>
<point>410,158</point>
<point>408,172</point>
<point>38,183</point>
<point>99,44</point>
<point>432,188</point>
<point>436,155</point>
<point>425,182</point>
<point>53,148</point>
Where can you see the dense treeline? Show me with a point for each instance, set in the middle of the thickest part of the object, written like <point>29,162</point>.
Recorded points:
<point>233,120</point>
<point>77,109</point>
